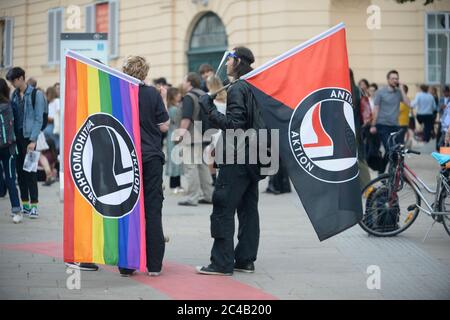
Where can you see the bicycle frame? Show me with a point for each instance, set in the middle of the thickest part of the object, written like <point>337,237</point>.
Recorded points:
<point>412,177</point>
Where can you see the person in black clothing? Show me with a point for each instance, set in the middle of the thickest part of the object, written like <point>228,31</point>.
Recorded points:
<point>236,186</point>
<point>154,120</point>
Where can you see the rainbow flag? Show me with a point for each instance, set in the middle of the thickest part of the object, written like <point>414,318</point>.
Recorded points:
<point>104,219</point>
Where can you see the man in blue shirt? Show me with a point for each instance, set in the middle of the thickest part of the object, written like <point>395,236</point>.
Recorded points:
<point>425,106</point>
<point>28,120</point>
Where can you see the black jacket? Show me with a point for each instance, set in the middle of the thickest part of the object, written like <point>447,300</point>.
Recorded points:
<point>242,113</point>
<point>240,103</point>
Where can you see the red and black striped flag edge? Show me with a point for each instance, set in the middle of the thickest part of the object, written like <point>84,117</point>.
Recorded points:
<point>306,94</point>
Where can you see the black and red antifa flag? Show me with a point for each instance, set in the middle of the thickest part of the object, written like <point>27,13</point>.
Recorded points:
<point>306,94</point>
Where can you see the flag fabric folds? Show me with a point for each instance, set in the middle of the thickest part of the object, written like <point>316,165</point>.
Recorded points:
<point>306,94</point>
<point>104,219</point>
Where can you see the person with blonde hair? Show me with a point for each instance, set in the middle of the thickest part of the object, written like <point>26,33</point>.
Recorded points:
<point>154,120</point>
<point>214,84</point>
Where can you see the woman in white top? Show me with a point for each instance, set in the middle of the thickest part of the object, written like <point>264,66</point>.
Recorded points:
<point>52,129</point>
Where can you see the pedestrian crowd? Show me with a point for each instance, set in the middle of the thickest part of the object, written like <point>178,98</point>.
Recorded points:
<point>172,143</point>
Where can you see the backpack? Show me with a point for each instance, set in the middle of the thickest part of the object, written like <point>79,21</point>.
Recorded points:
<point>45,114</point>
<point>198,110</point>
<point>33,103</point>
<point>7,136</point>
<point>256,121</point>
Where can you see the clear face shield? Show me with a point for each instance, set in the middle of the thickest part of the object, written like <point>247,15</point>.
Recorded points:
<point>222,68</point>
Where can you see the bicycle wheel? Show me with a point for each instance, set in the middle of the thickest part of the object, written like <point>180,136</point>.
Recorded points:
<point>387,213</point>
<point>444,206</point>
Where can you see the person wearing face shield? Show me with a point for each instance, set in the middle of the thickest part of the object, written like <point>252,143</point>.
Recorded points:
<point>236,187</point>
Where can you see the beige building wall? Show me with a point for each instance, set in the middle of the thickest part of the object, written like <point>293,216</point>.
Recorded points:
<point>160,30</point>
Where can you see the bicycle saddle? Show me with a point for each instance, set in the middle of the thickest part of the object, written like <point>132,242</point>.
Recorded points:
<point>441,158</point>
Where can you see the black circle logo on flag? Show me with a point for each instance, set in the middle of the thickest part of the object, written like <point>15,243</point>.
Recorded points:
<point>104,166</point>
<point>322,135</point>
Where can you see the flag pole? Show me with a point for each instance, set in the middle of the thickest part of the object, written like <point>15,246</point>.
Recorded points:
<point>214,94</point>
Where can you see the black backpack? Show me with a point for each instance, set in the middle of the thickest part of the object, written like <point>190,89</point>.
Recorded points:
<point>7,136</point>
<point>45,114</point>
<point>256,121</point>
<point>33,102</point>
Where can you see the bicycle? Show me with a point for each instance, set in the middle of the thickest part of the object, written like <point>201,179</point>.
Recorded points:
<point>392,201</point>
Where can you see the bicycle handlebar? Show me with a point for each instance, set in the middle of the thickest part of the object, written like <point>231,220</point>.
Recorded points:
<point>413,151</point>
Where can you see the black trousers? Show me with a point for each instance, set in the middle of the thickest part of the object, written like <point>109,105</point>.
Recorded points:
<point>153,200</point>
<point>234,190</point>
<point>27,180</point>
<point>427,121</point>
<point>175,182</point>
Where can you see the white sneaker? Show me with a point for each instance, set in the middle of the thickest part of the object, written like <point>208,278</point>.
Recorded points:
<point>154,274</point>
<point>178,190</point>
<point>17,218</point>
<point>34,213</point>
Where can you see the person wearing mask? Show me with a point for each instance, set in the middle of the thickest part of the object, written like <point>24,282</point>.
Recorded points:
<point>425,106</point>
<point>154,120</point>
<point>236,186</point>
<point>28,120</point>
<point>8,151</point>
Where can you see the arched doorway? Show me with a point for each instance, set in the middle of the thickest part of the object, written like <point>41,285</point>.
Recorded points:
<point>207,43</point>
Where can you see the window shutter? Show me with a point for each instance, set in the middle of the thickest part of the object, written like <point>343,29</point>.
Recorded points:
<point>90,18</point>
<point>8,40</point>
<point>58,29</point>
<point>51,36</point>
<point>113,35</point>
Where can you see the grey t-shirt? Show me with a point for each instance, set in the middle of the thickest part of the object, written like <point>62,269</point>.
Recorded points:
<point>388,100</point>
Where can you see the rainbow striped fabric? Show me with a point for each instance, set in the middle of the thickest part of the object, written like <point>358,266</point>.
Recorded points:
<point>104,219</point>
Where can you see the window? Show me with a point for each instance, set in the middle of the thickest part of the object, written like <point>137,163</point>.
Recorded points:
<point>209,33</point>
<point>103,17</point>
<point>55,27</point>
<point>207,43</point>
<point>6,42</point>
<point>437,47</point>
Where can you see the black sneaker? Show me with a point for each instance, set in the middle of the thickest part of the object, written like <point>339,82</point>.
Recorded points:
<point>82,266</point>
<point>203,201</point>
<point>210,270</point>
<point>246,267</point>
<point>124,272</point>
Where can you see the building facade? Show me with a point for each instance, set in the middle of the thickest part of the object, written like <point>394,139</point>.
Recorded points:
<point>177,35</point>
